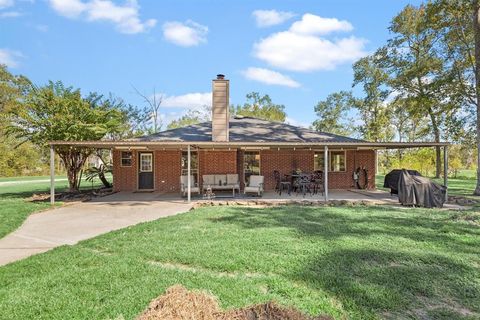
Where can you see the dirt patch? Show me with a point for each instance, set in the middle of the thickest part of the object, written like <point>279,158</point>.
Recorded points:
<point>179,303</point>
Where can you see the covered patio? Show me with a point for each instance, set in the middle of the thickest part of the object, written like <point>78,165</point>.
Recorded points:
<point>183,151</point>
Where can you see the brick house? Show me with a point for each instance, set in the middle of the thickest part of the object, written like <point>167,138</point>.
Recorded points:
<point>241,145</point>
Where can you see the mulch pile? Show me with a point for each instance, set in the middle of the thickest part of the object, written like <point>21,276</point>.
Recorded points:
<point>178,303</point>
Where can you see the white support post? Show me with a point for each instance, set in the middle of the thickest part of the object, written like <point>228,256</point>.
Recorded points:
<point>52,175</point>
<point>445,170</point>
<point>189,187</point>
<point>325,172</point>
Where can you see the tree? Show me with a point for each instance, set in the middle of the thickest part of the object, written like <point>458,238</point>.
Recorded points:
<point>153,103</point>
<point>417,72</point>
<point>260,107</point>
<point>372,108</point>
<point>192,117</point>
<point>457,23</point>
<point>476,27</point>
<point>55,112</point>
<point>332,114</point>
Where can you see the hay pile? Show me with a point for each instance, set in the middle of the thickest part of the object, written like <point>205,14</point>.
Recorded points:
<point>179,303</point>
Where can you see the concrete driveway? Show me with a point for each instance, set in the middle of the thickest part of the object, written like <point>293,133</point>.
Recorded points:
<point>75,222</point>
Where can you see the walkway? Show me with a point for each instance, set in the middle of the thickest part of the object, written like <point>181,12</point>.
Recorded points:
<point>69,224</point>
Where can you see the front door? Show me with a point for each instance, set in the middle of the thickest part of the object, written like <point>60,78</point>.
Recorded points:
<point>145,171</point>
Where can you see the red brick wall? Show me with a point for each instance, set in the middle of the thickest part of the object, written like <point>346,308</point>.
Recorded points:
<point>124,178</point>
<point>284,160</point>
<point>217,161</point>
<point>168,167</point>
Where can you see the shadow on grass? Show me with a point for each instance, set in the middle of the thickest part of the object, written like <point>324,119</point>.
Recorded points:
<point>330,223</point>
<point>382,262</point>
<point>372,282</point>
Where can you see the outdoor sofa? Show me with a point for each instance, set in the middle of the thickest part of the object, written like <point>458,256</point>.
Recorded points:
<point>221,182</point>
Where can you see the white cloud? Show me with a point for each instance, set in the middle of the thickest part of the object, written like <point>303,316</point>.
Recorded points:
<point>189,100</point>
<point>6,3</point>
<point>302,49</point>
<point>10,57</point>
<point>125,17</point>
<point>270,77</point>
<point>267,18</point>
<point>10,14</point>
<point>185,34</point>
<point>68,8</point>
<point>312,24</point>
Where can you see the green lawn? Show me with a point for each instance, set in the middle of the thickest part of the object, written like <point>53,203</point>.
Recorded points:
<point>14,209</point>
<point>349,262</point>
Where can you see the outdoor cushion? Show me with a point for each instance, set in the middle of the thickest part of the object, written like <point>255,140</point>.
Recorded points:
<point>232,179</point>
<point>255,181</point>
<point>184,180</point>
<point>208,179</point>
<point>220,179</point>
<point>184,185</point>
<point>252,189</point>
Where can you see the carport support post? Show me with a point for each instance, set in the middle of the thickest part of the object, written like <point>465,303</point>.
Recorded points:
<point>325,172</point>
<point>188,175</point>
<point>52,175</point>
<point>445,170</point>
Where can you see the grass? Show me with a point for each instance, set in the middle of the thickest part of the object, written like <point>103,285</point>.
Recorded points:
<point>349,262</point>
<point>14,208</point>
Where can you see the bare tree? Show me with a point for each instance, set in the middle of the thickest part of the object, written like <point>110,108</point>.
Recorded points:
<point>153,104</point>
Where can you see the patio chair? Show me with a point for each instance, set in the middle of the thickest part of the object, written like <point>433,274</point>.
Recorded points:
<point>318,185</point>
<point>281,184</point>
<point>304,184</point>
<point>184,185</point>
<point>255,185</point>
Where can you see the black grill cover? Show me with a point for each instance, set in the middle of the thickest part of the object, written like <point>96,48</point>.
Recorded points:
<point>420,191</point>
<point>391,179</point>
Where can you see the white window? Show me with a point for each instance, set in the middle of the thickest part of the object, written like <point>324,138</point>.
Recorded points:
<point>146,160</point>
<point>337,161</point>
<point>126,159</point>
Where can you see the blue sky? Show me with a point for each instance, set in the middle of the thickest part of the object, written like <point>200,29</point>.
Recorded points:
<point>296,51</point>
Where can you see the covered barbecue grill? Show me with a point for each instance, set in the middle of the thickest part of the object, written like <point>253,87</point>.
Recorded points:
<point>392,178</point>
<point>416,190</point>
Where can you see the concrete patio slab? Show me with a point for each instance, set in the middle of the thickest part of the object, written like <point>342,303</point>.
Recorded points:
<point>75,222</point>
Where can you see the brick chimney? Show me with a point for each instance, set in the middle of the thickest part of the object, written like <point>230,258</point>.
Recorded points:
<point>220,106</point>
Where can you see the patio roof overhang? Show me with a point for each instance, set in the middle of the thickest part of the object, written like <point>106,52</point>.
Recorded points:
<point>125,144</point>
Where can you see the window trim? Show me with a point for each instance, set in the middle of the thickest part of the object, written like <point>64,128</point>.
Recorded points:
<point>151,162</point>
<point>192,170</point>
<point>259,163</point>
<point>122,158</point>
<point>330,159</point>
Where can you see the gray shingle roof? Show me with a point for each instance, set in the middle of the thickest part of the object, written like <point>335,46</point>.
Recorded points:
<point>247,129</point>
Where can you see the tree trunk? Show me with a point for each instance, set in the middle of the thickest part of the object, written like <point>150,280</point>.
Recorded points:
<point>438,150</point>
<point>73,160</point>
<point>476,27</point>
<point>104,180</point>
